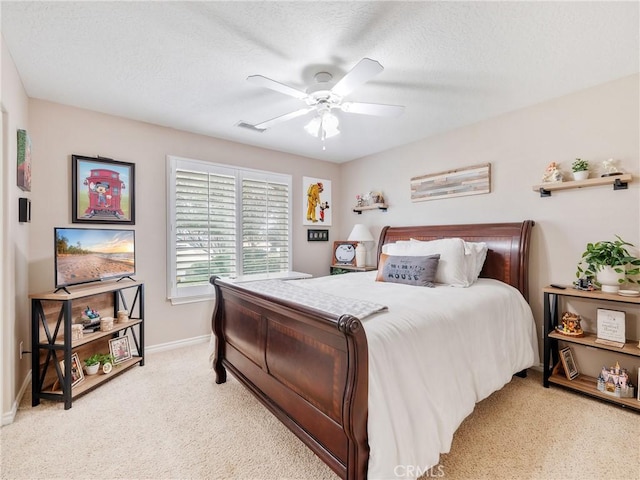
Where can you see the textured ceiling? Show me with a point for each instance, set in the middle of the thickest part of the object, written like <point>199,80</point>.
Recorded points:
<point>184,64</point>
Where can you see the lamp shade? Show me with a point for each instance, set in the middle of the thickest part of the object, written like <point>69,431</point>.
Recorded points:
<point>360,233</point>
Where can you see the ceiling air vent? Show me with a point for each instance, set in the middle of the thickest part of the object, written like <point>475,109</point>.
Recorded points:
<point>248,126</point>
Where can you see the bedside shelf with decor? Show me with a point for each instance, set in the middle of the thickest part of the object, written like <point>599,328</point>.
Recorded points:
<point>337,269</point>
<point>588,385</point>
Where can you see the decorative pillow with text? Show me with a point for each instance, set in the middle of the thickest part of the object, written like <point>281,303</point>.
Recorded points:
<point>409,270</point>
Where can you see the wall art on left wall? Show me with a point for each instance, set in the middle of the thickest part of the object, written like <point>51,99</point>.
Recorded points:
<point>24,161</point>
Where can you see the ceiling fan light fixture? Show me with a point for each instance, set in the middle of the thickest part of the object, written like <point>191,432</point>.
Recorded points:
<point>325,96</point>
<point>325,125</point>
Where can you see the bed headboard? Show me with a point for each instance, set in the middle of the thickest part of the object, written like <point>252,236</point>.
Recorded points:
<point>508,254</point>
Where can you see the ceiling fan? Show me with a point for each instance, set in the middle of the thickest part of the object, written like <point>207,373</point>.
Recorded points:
<point>325,96</point>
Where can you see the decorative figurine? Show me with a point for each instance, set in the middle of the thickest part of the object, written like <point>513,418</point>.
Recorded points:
<point>552,174</point>
<point>615,381</point>
<point>91,313</point>
<point>377,197</point>
<point>609,167</point>
<point>90,319</point>
<point>570,325</point>
<point>584,284</point>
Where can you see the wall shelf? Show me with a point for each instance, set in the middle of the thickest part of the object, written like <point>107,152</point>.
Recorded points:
<point>375,206</point>
<point>619,182</point>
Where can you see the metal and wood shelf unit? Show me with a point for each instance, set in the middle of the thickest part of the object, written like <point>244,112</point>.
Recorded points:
<point>52,315</point>
<point>583,383</point>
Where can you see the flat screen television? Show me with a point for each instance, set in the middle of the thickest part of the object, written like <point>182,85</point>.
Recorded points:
<point>84,255</point>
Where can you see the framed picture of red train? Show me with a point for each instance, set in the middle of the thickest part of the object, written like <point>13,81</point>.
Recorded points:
<point>102,191</point>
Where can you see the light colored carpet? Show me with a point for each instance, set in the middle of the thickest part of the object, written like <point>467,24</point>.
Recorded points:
<point>169,420</point>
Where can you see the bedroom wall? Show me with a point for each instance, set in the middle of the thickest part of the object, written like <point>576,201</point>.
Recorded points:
<point>59,131</point>
<point>594,124</point>
<point>14,306</point>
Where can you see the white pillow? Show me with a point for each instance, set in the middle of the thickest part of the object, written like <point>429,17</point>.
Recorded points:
<point>475,256</point>
<point>452,268</point>
<point>476,253</point>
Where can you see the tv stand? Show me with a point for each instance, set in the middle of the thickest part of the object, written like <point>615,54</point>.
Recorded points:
<point>63,289</point>
<point>53,314</point>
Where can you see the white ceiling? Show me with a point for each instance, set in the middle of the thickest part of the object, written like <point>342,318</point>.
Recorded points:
<point>184,64</point>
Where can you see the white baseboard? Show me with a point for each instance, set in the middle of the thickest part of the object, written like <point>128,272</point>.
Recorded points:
<point>9,417</point>
<point>177,344</point>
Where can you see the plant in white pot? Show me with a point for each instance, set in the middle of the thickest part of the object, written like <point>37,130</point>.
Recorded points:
<point>580,169</point>
<point>92,364</point>
<point>610,263</point>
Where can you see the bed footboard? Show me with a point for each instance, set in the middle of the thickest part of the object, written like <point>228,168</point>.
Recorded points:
<point>309,368</point>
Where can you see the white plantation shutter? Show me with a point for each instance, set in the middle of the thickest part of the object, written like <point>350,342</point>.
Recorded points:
<point>224,221</point>
<point>265,226</point>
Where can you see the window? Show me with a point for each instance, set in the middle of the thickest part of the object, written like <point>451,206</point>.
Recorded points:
<point>224,221</point>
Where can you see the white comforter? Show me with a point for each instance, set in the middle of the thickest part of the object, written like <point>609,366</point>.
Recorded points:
<point>432,356</point>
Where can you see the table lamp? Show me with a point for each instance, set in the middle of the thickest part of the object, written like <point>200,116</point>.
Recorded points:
<point>360,234</point>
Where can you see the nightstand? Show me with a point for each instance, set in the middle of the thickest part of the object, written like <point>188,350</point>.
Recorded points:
<point>337,269</point>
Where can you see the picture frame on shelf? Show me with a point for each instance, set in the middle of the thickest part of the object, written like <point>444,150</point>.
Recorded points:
<point>344,252</point>
<point>119,349</point>
<point>77,375</point>
<point>102,191</point>
<point>568,363</point>
<point>610,327</point>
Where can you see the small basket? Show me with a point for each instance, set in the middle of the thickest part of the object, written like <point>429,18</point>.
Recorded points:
<point>123,316</point>
<point>106,324</point>
<point>76,331</point>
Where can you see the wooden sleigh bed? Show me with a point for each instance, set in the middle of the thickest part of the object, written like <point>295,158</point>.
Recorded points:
<point>310,369</point>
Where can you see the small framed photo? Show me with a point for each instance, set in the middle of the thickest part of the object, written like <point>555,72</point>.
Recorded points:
<point>119,348</point>
<point>77,375</point>
<point>611,328</point>
<point>344,253</point>
<point>317,235</point>
<point>569,365</point>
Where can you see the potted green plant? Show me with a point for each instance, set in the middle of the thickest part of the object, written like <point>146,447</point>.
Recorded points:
<point>580,169</point>
<point>92,364</point>
<point>610,263</point>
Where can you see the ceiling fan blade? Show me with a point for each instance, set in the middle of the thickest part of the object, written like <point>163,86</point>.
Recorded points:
<point>277,86</point>
<point>283,118</point>
<point>372,109</point>
<point>364,71</point>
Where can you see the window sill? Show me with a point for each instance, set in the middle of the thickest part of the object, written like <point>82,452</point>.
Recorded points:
<point>290,275</point>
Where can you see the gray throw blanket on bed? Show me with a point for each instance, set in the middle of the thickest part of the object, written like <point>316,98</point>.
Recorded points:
<point>325,302</point>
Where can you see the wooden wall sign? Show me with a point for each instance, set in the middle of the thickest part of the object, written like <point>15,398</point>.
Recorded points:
<point>454,183</point>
